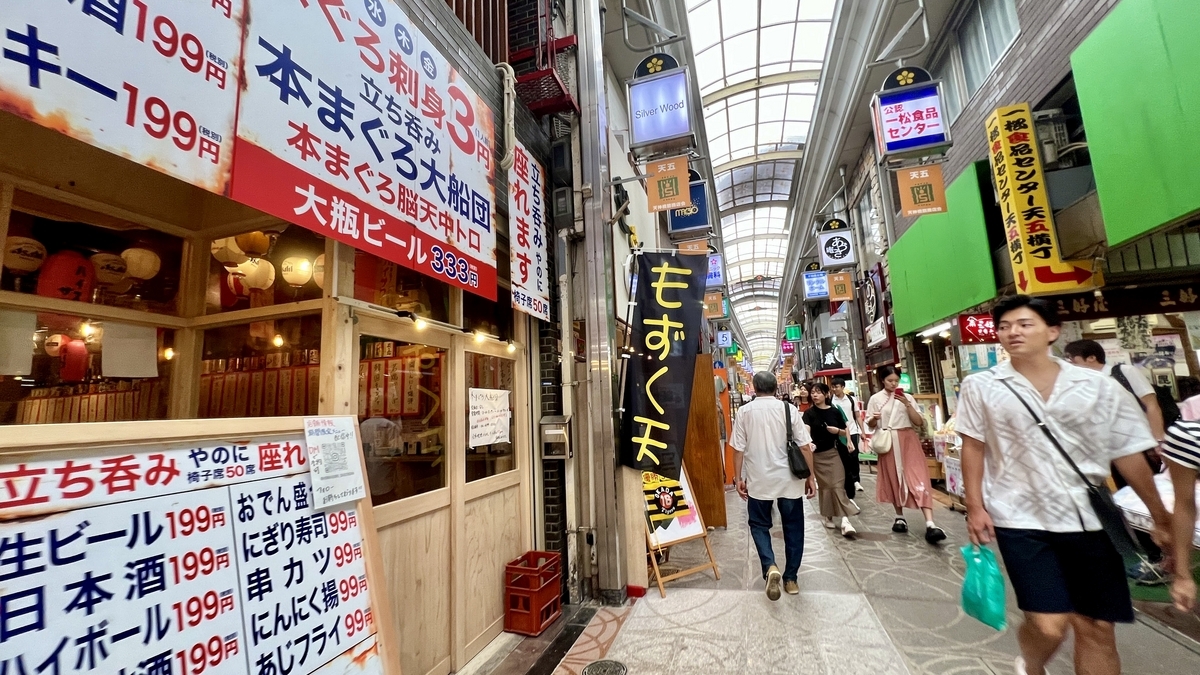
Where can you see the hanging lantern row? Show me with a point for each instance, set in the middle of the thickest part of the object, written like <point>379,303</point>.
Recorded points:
<point>242,254</point>
<point>69,275</point>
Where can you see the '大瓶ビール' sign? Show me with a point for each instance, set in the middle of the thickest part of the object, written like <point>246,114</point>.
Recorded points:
<point>354,125</point>
<point>658,386</point>
<point>660,110</point>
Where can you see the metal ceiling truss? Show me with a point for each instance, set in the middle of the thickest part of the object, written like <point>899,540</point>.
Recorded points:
<point>791,77</point>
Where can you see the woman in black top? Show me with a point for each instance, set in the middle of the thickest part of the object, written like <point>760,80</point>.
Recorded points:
<point>828,428</point>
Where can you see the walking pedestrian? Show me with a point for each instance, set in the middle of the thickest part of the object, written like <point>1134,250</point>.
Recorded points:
<point>1023,490</point>
<point>1182,451</point>
<point>828,429</point>
<point>803,397</point>
<point>845,402</point>
<point>903,475</point>
<point>764,477</point>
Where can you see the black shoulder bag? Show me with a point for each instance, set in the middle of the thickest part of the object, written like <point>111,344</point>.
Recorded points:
<point>1107,511</point>
<point>796,461</point>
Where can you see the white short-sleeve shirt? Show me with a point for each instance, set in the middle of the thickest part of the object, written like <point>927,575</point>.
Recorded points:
<point>846,405</point>
<point>760,433</point>
<point>1137,381</point>
<point>1027,484</point>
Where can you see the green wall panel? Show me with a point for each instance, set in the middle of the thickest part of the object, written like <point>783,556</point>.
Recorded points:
<point>942,264</point>
<point>1139,89</point>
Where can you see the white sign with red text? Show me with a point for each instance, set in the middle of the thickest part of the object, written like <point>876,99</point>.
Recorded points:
<point>353,125</point>
<point>527,230</point>
<point>155,81</point>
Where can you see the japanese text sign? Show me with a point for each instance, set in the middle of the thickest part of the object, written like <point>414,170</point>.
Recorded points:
<point>841,286</point>
<point>910,119</point>
<point>977,329</point>
<point>793,333</point>
<point>816,285</point>
<point>836,248</point>
<point>1038,267</point>
<point>658,382</point>
<point>353,125</point>
<point>667,187</point>
<point>334,468</point>
<point>660,109</point>
<point>716,272</point>
<point>714,305</point>
<point>489,417</point>
<point>786,347</point>
<point>921,190</point>
<point>151,80</point>
<point>529,242</point>
<point>207,559</point>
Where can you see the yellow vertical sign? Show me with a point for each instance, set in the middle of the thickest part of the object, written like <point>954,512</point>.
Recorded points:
<point>668,187</point>
<point>1037,264</point>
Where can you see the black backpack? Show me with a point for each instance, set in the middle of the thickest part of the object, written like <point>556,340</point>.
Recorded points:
<point>1166,402</point>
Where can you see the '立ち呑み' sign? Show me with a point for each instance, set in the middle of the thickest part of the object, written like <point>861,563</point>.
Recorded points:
<point>529,255</point>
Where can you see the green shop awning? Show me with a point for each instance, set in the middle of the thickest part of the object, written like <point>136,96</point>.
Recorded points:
<point>942,264</point>
<point>1139,91</point>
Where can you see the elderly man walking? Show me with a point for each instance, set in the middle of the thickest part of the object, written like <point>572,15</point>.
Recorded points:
<point>763,476</point>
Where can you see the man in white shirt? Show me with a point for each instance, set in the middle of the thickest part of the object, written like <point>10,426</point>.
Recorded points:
<point>1090,354</point>
<point>763,476</point>
<point>845,403</point>
<point>1021,491</point>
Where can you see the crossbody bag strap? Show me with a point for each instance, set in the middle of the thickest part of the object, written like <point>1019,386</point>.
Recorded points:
<point>787,416</point>
<point>1049,435</point>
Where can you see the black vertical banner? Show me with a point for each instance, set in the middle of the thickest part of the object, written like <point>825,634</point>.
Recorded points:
<point>658,376</point>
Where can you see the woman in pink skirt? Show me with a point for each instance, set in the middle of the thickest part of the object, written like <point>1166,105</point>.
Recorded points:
<point>903,475</point>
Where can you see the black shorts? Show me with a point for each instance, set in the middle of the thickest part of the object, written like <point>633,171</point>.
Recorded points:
<point>1066,572</point>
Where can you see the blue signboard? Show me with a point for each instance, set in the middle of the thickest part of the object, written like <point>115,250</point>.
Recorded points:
<point>694,217</point>
<point>816,285</point>
<point>910,118</point>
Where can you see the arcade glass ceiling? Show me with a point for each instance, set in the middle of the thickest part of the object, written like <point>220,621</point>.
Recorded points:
<point>758,63</point>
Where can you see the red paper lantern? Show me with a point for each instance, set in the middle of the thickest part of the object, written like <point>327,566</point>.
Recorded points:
<point>67,275</point>
<point>74,355</point>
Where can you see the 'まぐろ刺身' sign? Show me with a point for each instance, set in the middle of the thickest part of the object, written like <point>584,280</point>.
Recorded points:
<point>211,558</point>
<point>150,80</point>
<point>527,230</point>
<point>354,125</point>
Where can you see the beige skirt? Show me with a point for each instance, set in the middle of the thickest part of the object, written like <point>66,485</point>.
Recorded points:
<point>831,485</point>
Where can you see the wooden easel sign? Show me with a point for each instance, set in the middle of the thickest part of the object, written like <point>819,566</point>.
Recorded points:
<point>672,518</point>
<point>186,547</point>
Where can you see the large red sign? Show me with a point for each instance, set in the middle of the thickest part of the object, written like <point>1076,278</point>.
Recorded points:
<point>977,329</point>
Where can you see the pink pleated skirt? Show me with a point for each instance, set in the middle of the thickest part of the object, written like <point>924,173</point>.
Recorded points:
<point>910,487</point>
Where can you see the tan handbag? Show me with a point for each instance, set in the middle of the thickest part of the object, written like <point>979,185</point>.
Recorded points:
<point>881,441</point>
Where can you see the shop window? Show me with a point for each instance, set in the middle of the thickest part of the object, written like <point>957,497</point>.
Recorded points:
<point>490,318</point>
<point>263,268</point>
<point>986,32</point>
<point>262,369</point>
<point>401,409</point>
<point>114,263</point>
<point>57,369</point>
<point>380,282</point>
<point>489,429</point>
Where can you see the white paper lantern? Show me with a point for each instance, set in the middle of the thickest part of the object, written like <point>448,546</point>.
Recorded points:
<point>110,268</point>
<point>318,271</point>
<point>257,273</point>
<point>296,271</point>
<point>141,263</point>
<point>23,255</point>
<point>227,253</point>
<point>55,343</point>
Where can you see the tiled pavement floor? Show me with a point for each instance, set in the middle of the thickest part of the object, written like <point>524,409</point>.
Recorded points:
<point>881,603</point>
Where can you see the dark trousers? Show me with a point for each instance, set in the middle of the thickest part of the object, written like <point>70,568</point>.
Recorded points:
<point>791,516</point>
<point>850,462</point>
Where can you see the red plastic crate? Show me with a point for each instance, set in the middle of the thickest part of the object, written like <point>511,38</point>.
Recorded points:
<point>532,593</point>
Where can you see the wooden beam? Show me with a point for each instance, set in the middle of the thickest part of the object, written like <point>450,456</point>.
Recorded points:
<point>281,311</point>
<point>39,303</point>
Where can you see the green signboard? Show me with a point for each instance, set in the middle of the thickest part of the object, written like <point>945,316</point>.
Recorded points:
<point>732,349</point>
<point>905,382</point>
<point>793,333</point>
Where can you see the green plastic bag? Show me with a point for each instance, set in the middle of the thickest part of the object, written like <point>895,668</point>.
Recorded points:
<point>983,587</point>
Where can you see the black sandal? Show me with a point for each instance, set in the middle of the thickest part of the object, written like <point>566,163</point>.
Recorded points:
<point>900,526</point>
<point>934,534</point>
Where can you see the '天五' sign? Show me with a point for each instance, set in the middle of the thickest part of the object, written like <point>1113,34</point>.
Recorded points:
<point>333,460</point>
<point>352,124</point>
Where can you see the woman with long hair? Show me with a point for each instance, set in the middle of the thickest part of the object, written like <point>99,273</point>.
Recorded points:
<point>827,426</point>
<point>903,475</point>
<point>803,398</point>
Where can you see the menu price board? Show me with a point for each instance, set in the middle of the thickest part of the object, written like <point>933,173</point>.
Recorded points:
<point>201,560</point>
<point>155,81</point>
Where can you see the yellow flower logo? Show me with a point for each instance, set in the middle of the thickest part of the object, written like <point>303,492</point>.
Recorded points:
<point>655,65</point>
<point>905,77</point>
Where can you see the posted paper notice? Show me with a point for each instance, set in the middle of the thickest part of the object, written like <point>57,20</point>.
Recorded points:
<point>489,417</point>
<point>333,460</point>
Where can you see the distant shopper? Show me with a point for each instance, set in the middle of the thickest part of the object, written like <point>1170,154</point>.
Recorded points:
<point>1189,398</point>
<point>1182,450</point>
<point>828,429</point>
<point>803,397</point>
<point>1022,491</point>
<point>760,466</point>
<point>845,402</point>
<point>903,475</point>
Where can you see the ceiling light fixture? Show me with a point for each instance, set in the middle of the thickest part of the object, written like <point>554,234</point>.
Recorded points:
<point>935,330</point>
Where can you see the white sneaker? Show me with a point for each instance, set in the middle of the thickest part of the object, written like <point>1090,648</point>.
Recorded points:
<point>829,524</point>
<point>855,505</point>
<point>848,529</point>
<point>858,486</point>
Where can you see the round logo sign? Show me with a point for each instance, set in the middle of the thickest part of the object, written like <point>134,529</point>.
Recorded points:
<point>837,248</point>
<point>666,500</point>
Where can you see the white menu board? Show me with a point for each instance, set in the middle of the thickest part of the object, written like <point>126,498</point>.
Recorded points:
<point>527,229</point>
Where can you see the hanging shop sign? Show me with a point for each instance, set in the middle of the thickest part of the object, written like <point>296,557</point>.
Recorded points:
<point>666,325</point>
<point>693,218</point>
<point>667,181</point>
<point>693,246</point>
<point>1033,251</point>
<point>835,242</point>
<point>528,247</point>
<point>660,111</point>
<point>831,355</point>
<point>716,272</point>
<point>714,305</point>
<point>794,333</point>
<point>907,115</point>
<point>1114,302</point>
<point>921,190</point>
<point>976,329</point>
<point>786,347</point>
<point>724,339</point>
<point>877,332</point>
<point>352,124</point>
<point>816,285</point>
<point>733,350</point>
<point>841,287</point>
<point>156,83</point>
